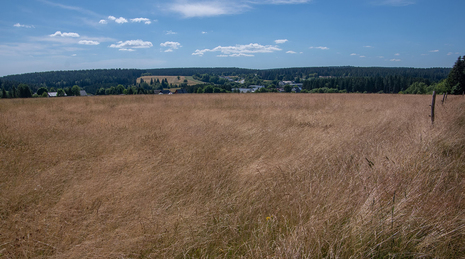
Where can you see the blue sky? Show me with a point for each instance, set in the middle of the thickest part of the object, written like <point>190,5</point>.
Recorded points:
<point>44,35</point>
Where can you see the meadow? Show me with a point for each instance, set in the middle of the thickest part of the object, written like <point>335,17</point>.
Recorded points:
<point>232,176</point>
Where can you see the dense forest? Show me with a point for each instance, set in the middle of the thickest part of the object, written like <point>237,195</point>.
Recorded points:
<point>216,80</point>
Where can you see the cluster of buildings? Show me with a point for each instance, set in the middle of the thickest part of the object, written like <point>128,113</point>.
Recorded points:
<point>296,87</point>
<point>55,94</point>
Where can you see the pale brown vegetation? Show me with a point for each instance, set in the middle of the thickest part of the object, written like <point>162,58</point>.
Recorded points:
<point>234,175</point>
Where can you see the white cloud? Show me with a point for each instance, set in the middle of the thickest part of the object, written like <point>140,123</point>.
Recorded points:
<point>436,50</point>
<point>121,20</point>
<point>171,45</point>
<point>394,2</point>
<point>450,53</point>
<point>145,20</point>
<point>74,55</point>
<point>397,54</point>
<point>322,48</point>
<point>222,56</point>
<point>280,41</point>
<point>353,54</point>
<point>117,20</point>
<point>18,25</point>
<point>362,56</point>
<point>241,55</point>
<point>291,52</point>
<point>65,34</point>
<point>89,42</point>
<point>129,45</point>
<point>207,9</point>
<point>240,50</point>
<point>103,22</point>
<point>204,32</point>
<point>129,50</point>
<point>368,47</point>
<point>171,32</point>
<point>395,60</point>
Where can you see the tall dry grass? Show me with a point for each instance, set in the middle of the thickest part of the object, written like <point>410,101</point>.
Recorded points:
<point>230,176</point>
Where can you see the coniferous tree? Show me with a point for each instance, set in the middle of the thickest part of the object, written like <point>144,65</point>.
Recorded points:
<point>456,78</point>
<point>24,91</point>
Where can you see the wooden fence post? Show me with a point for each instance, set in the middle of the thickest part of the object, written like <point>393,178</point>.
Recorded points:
<point>443,98</point>
<point>433,103</point>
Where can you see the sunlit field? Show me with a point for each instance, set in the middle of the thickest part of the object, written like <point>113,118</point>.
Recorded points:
<point>231,176</point>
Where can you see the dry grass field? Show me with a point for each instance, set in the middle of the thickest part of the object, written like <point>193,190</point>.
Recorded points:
<point>171,79</point>
<point>232,176</point>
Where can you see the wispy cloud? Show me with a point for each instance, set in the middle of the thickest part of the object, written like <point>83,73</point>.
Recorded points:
<point>433,51</point>
<point>322,48</point>
<point>394,2</point>
<point>18,25</point>
<point>395,60</point>
<point>368,47</point>
<point>354,54</point>
<point>144,20</point>
<point>240,50</point>
<point>65,34</point>
<point>278,2</point>
<point>197,8</point>
<point>129,50</point>
<point>69,7</point>
<point>397,54</point>
<point>204,32</point>
<point>207,9</point>
<point>362,56</point>
<point>280,41</point>
<point>171,32</point>
<point>171,45</point>
<point>103,22</point>
<point>129,45</point>
<point>291,52</point>
<point>89,42</point>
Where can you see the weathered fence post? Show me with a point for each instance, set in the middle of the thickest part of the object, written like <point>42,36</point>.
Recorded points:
<point>443,98</point>
<point>433,103</point>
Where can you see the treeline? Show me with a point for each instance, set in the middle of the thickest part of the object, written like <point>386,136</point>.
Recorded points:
<point>387,84</point>
<point>289,74</point>
<point>94,80</point>
<point>313,79</point>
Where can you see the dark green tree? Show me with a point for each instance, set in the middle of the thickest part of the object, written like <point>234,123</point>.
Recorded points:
<point>456,78</point>
<point>119,89</point>
<point>75,90</point>
<point>60,92</point>
<point>42,90</point>
<point>24,91</point>
<point>4,93</point>
<point>287,88</point>
<point>100,91</point>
